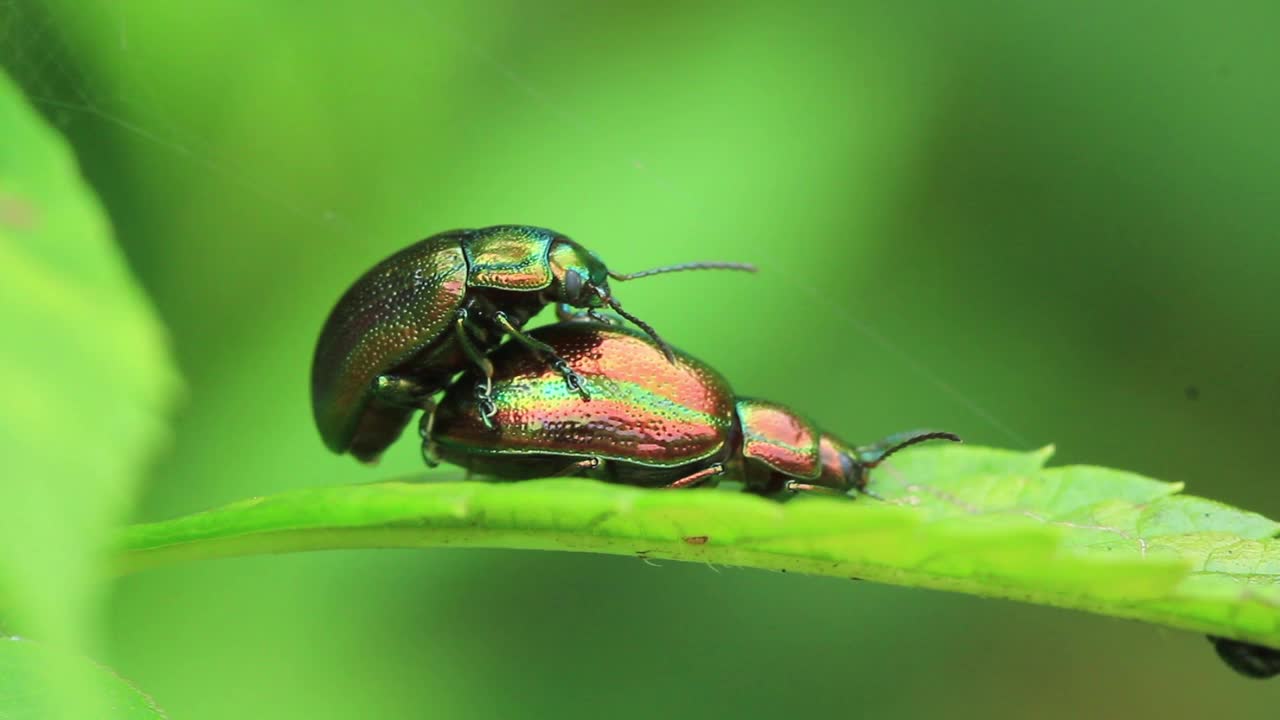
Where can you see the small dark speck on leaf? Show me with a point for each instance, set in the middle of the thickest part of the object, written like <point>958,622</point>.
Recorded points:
<point>697,539</point>
<point>642,553</point>
<point>1192,392</point>
<point>856,579</point>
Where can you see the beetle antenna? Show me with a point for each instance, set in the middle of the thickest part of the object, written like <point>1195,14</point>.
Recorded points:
<point>872,455</point>
<point>744,267</point>
<point>646,327</point>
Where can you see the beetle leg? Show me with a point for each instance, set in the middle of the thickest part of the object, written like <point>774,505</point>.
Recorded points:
<point>698,477</point>
<point>579,466</point>
<point>426,426</point>
<point>484,391</point>
<point>429,455</point>
<point>569,313</point>
<point>566,312</point>
<point>600,318</point>
<point>402,391</point>
<point>797,486</point>
<point>427,423</point>
<point>571,378</point>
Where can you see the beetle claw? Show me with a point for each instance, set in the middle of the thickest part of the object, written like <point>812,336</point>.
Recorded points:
<point>484,403</point>
<point>603,319</point>
<point>571,378</point>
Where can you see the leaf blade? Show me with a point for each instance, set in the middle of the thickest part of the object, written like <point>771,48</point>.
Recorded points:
<point>1085,538</point>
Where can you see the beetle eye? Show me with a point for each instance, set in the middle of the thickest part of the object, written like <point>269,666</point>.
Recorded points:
<point>573,285</point>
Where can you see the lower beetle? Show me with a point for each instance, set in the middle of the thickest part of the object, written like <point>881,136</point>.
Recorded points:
<point>421,316</point>
<point>1255,661</point>
<point>649,422</point>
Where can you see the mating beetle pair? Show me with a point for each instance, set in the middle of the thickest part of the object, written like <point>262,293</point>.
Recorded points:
<point>582,397</point>
<point>426,313</point>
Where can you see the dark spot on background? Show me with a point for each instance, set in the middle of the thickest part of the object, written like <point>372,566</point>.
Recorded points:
<point>1193,392</point>
<point>697,539</point>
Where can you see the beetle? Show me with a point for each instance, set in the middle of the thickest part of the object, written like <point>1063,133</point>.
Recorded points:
<point>425,313</point>
<point>649,422</point>
<point>1255,661</point>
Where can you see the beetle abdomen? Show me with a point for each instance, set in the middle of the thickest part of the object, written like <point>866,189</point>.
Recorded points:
<point>643,409</point>
<point>774,435</point>
<point>395,311</point>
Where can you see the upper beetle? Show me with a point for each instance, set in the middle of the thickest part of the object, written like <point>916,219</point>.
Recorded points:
<point>424,314</point>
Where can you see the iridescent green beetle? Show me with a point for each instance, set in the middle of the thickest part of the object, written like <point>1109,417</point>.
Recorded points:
<point>650,422</point>
<point>419,317</point>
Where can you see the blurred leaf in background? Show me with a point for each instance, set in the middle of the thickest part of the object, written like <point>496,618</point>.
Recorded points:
<point>1020,222</point>
<point>86,377</point>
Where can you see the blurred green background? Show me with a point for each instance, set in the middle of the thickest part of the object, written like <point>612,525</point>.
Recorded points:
<point>1027,224</point>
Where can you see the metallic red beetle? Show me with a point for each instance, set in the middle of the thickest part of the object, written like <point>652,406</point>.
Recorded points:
<point>649,422</point>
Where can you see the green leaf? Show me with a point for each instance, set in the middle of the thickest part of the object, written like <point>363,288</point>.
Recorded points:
<point>24,695</point>
<point>966,519</point>
<point>85,375</point>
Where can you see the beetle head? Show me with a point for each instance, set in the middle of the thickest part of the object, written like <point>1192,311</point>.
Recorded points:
<point>579,275</point>
<point>858,462</point>
<point>582,281</point>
